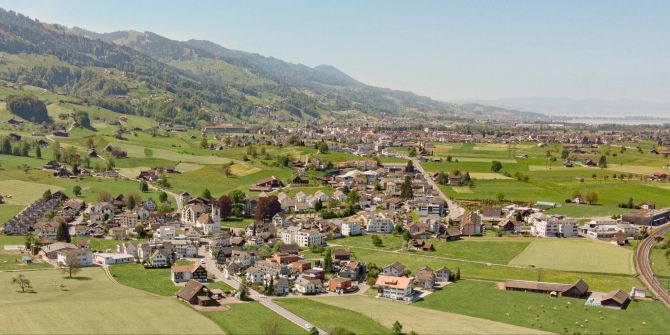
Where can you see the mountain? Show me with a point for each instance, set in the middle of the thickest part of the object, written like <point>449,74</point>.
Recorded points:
<point>195,81</point>
<point>565,107</point>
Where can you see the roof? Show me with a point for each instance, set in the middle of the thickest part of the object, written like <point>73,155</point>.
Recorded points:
<point>618,296</point>
<point>190,290</point>
<point>396,265</point>
<point>425,273</point>
<point>393,282</point>
<point>579,285</point>
<point>58,246</point>
<point>185,268</point>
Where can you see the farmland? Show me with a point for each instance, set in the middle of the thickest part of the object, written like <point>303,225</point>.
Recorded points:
<point>89,304</point>
<point>251,318</point>
<point>420,320</point>
<point>540,311</point>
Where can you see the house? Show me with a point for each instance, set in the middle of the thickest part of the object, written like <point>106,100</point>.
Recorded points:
<point>303,238</point>
<point>339,255</point>
<point>255,276</point>
<point>353,270</point>
<point>425,278</point>
<point>350,228</point>
<point>158,259</point>
<point>393,287</point>
<point>182,273</point>
<point>196,293</point>
<point>301,266</point>
<point>83,257</point>
<point>288,248</point>
<point>300,180</point>
<point>339,285</point>
<point>420,244</point>
<point>380,223</point>
<point>452,233</point>
<point>616,299</point>
<point>51,251</point>
<point>267,184</point>
<point>105,258</point>
<point>577,290</point>
<point>471,224</point>
<point>395,269</point>
<point>554,226</point>
<point>647,217</point>
<point>308,286</point>
<point>281,286</point>
<point>511,226</point>
<point>442,275</point>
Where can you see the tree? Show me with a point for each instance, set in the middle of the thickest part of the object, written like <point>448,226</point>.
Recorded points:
<point>353,197</point>
<point>376,241</point>
<point>225,204</point>
<point>104,196</point>
<point>269,288</point>
<point>144,186</point>
<point>500,196</point>
<point>406,191</point>
<point>565,154</point>
<point>38,152</point>
<point>203,143</point>
<point>207,194</point>
<point>238,197</point>
<point>328,261</point>
<point>602,162</point>
<point>591,197</point>
<point>243,289</point>
<point>22,282</point>
<point>81,117</point>
<point>132,200</point>
<point>162,196</point>
<point>267,207</point>
<point>406,235</point>
<point>458,274</point>
<point>141,231</point>
<point>46,195</point>
<point>409,168</point>
<point>63,232</point>
<point>71,265</point>
<point>397,328</point>
<point>318,205</point>
<point>30,240</point>
<point>322,147</point>
<point>76,190</point>
<point>313,331</point>
<point>28,106</point>
<point>6,146</point>
<point>496,166</point>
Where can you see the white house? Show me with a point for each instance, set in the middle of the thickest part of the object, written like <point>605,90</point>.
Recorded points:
<point>303,238</point>
<point>380,224</point>
<point>398,288</point>
<point>255,276</point>
<point>395,269</point>
<point>554,226</point>
<point>165,233</point>
<point>308,285</point>
<point>350,228</point>
<point>158,259</point>
<point>84,257</point>
<point>106,258</point>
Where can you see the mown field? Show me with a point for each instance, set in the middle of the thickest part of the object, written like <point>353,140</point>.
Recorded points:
<point>539,311</point>
<point>550,181</point>
<point>329,317</point>
<point>252,318</point>
<point>92,304</point>
<point>417,319</point>
<point>577,255</point>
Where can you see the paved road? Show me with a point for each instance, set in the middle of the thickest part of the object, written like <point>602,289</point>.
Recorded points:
<point>455,211</point>
<point>643,265</point>
<point>266,301</point>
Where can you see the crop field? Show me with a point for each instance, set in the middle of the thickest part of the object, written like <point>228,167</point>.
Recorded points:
<point>577,255</point>
<point>420,320</point>
<point>252,318</point>
<point>542,312</point>
<point>92,304</point>
<point>328,317</point>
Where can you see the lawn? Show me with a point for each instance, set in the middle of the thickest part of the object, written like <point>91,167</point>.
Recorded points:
<point>92,304</point>
<point>659,262</point>
<point>598,281</point>
<point>22,192</point>
<point>9,211</point>
<point>540,311</point>
<point>252,318</point>
<point>577,255</point>
<point>328,317</point>
<point>101,244</point>
<point>156,281</point>
<point>417,319</point>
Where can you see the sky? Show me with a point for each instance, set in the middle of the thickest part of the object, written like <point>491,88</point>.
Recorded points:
<point>447,50</point>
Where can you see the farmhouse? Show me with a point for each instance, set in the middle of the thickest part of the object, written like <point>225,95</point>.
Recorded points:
<point>196,293</point>
<point>615,299</point>
<point>392,287</point>
<point>267,184</point>
<point>577,290</point>
<point>182,273</point>
<point>51,251</point>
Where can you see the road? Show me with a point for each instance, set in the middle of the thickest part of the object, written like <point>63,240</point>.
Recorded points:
<point>264,300</point>
<point>455,211</point>
<point>643,264</point>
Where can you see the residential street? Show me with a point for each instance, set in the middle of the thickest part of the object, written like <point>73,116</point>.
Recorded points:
<point>455,211</point>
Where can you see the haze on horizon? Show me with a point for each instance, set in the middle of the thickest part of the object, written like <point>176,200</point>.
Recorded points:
<point>486,51</point>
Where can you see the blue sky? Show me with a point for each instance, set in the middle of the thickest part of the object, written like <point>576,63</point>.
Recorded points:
<point>443,49</point>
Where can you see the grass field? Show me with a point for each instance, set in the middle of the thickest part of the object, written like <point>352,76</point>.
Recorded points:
<point>22,192</point>
<point>92,304</point>
<point>577,255</point>
<point>420,320</point>
<point>328,317</point>
<point>156,281</point>
<point>540,311</point>
<point>8,211</point>
<point>251,318</point>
